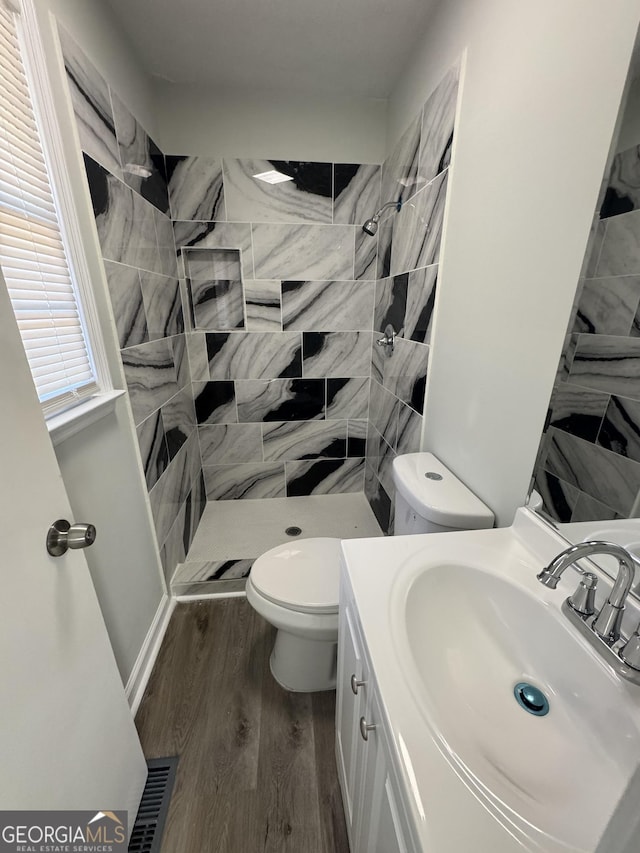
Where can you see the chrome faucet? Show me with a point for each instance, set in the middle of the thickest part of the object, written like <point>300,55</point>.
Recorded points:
<point>603,632</point>
<point>607,622</point>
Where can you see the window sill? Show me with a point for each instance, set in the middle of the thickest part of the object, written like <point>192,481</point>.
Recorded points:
<point>63,426</point>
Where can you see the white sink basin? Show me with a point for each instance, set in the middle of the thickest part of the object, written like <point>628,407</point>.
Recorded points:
<point>465,636</point>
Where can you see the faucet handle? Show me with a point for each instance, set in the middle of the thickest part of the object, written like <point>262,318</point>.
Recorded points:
<point>630,652</point>
<point>584,598</point>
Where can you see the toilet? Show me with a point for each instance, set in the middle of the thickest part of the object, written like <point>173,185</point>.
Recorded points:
<point>295,586</point>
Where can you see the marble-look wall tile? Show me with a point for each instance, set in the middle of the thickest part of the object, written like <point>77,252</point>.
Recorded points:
<point>211,570</point>
<point>173,551</point>
<point>356,193</point>
<point>181,360</point>
<point>600,473</point>
<point>198,359</point>
<point>400,169</point>
<point>153,448</point>
<point>325,477</point>
<point>217,235</point>
<point>391,303</point>
<point>254,355</point>
<point>280,400</point>
<point>226,444</point>
<point>620,251</point>
<point>162,305</point>
<point>303,252</point>
<point>179,420</point>
<point>421,298</point>
<point>203,588</point>
<point>307,197</point>
<point>623,189</point>
<point>438,117</point>
<point>607,363</point>
<point>559,498</point>
<point>336,354</point>
<point>357,438</point>
<point>405,373</point>
<point>608,306</point>
<point>137,152</point>
<point>249,481</point>
<point>383,413</point>
<point>578,410</point>
<point>379,500</point>
<point>589,509</point>
<point>365,255</point>
<point>126,303</point>
<point>196,188</point>
<point>143,237</point>
<point>409,430</point>
<point>287,440</point>
<point>172,489</point>
<point>113,208</point>
<point>332,306</point>
<point>166,261</point>
<point>417,228</point>
<point>215,402</point>
<point>374,447</point>
<point>151,376</point>
<point>385,240</point>
<point>214,285</point>
<point>263,305</point>
<point>347,398</point>
<point>92,108</point>
<point>620,430</point>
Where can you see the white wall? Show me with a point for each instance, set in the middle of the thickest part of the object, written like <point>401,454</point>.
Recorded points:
<point>99,466</point>
<point>540,95</point>
<point>281,126</point>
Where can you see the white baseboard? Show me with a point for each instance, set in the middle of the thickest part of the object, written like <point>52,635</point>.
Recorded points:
<point>148,653</point>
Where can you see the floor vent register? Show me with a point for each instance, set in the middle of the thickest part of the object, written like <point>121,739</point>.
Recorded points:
<point>146,836</point>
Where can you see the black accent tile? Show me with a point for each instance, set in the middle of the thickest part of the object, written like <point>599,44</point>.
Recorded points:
<point>213,396</point>
<point>313,476</point>
<point>309,177</point>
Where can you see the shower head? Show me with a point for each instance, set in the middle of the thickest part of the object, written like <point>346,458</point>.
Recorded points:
<point>370,227</point>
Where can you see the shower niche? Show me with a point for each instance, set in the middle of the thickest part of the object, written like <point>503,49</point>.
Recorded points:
<point>214,289</point>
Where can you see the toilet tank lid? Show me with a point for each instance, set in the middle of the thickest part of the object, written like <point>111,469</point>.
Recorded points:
<point>446,501</point>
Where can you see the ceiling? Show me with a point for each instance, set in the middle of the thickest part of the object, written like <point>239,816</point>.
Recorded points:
<point>349,48</point>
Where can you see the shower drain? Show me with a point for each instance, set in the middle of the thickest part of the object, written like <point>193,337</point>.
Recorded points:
<point>293,531</point>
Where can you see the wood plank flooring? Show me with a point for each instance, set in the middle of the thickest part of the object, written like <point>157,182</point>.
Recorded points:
<point>257,764</point>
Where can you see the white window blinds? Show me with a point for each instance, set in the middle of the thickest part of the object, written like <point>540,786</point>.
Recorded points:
<point>32,253</point>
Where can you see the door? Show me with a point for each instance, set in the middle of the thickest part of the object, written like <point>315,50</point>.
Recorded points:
<point>67,738</point>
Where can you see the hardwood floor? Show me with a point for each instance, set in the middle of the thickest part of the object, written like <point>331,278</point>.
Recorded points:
<point>257,764</point>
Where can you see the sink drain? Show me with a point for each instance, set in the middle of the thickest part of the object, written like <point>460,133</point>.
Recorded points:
<point>293,531</point>
<point>531,698</point>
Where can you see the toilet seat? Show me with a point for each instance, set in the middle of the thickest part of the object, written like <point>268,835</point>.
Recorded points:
<point>302,576</point>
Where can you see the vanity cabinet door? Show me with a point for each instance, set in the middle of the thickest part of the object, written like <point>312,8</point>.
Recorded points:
<point>380,826</point>
<point>350,707</point>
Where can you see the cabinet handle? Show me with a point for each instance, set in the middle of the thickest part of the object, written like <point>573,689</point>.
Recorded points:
<point>355,684</point>
<point>365,728</point>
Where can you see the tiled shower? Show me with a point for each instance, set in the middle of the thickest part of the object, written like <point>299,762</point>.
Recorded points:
<point>247,312</point>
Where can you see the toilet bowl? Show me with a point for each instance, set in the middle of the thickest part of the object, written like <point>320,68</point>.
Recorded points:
<point>295,586</point>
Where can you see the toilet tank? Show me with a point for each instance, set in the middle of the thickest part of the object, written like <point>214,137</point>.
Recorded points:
<point>430,499</point>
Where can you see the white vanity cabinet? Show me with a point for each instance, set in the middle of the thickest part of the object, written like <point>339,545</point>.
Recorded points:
<point>376,820</point>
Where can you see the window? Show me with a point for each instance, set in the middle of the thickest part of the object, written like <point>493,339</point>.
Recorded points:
<point>38,267</point>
